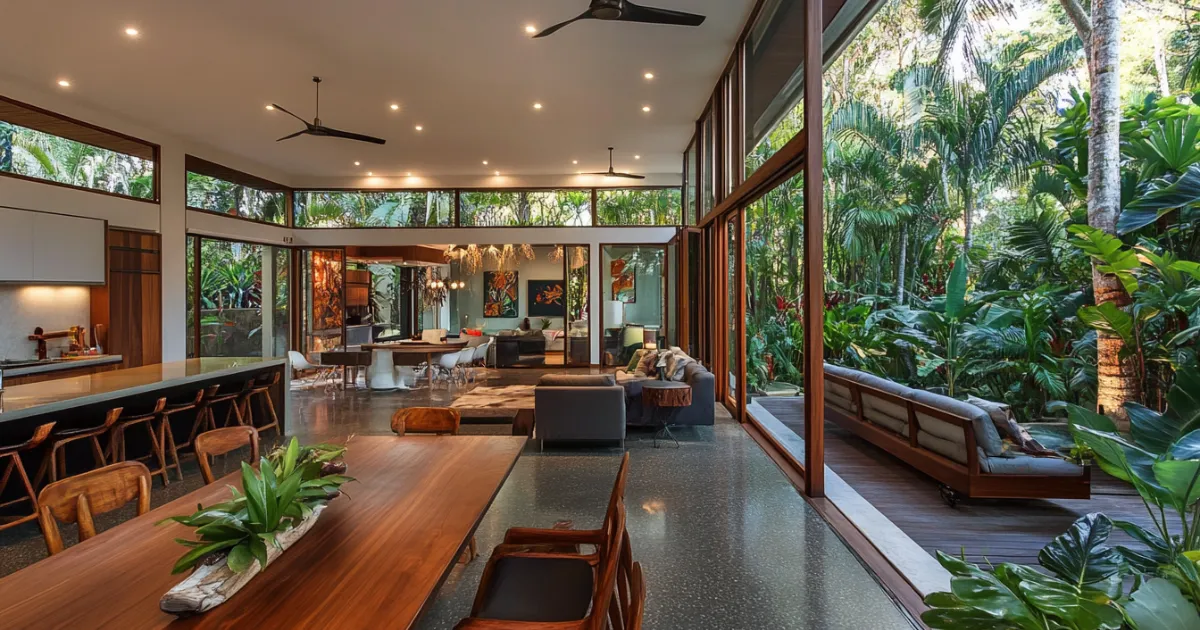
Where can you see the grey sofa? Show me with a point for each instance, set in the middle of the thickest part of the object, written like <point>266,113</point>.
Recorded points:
<point>700,412</point>
<point>579,408</point>
<point>951,440</point>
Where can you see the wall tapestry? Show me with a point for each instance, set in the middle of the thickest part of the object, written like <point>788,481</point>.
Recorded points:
<point>546,299</point>
<point>499,294</point>
<point>624,281</point>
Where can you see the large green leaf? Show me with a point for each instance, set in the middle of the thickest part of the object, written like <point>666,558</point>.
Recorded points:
<point>1110,252</point>
<point>1183,401</point>
<point>239,558</point>
<point>1187,447</point>
<point>1159,605</point>
<point>1151,430</point>
<point>196,553</point>
<point>1168,196</point>
<point>985,592</point>
<point>1182,479</point>
<point>1083,609</point>
<point>1109,318</point>
<point>956,288</point>
<point>1080,555</point>
<point>1079,416</point>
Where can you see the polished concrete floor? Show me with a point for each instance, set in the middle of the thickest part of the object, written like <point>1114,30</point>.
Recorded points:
<point>724,538</point>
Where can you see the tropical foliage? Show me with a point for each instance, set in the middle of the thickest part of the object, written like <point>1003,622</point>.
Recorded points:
<point>36,154</point>
<point>217,195</point>
<point>638,206</point>
<point>356,209</point>
<point>539,208</point>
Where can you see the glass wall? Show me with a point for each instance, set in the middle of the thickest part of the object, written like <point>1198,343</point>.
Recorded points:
<point>495,208</point>
<point>707,163</point>
<point>633,278</point>
<point>243,299</point>
<point>359,209</point>
<point>27,148</point>
<point>638,206</point>
<point>578,341</point>
<point>217,195</point>
<point>733,324</point>
<point>774,111</point>
<point>691,167</point>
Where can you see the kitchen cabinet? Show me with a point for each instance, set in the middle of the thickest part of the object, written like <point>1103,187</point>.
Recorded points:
<point>39,247</point>
<point>130,305</point>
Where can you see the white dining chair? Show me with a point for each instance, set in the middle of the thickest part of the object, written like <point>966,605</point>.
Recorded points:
<point>447,363</point>
<point>300,363</point>
<point>465,359</point>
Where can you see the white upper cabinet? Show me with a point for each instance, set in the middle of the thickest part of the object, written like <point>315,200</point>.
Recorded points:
<point>37,247</point>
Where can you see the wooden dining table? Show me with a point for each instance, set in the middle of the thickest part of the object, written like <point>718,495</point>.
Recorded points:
<point>373,560</point>
<point>419,348</point>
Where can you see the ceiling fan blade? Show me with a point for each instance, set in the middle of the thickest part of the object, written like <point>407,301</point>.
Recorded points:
<point>290,136</point>
<point>651,15</point>
<point>604,173</point>
<point>586,15</point>
<point>626,175</point>
<point>338,133</point>
<point>306,123</point>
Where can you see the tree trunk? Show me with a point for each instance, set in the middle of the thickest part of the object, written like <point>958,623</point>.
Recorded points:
<point>968,196</point>
<point>1160,65</point>
<point>903,262</point>
<point>1117,376</point>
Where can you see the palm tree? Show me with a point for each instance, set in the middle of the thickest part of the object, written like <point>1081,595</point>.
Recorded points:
<point>973,125</point>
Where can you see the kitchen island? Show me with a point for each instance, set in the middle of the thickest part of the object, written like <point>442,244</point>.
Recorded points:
<point>35,370</point>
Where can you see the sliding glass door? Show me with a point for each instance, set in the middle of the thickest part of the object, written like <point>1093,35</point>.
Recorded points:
<point>238,296</point>
<point>577,270</point>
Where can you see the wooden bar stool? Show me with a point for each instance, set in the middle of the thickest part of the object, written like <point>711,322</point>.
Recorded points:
<point>261,389</point>
<point>56,466</point>
<point>77,499</point>
<point>13,452</point>
<point>166,436</point>
<point>148,420</point>
<point>206,419</point>
<point>221,441</point>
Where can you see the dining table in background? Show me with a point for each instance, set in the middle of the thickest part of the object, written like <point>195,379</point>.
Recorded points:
<point>375,560</point>
<point>418,348</point>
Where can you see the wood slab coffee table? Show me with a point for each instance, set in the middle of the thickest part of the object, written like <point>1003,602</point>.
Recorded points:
<point>665,399</point>
<point>509,401</point>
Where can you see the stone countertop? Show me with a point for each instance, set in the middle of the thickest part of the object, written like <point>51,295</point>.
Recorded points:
<point>63,364</point>
<point>32,399</point>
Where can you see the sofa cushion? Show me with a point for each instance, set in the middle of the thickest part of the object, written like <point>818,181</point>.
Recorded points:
<point>845,405</point>
<point>676,365</point>
<point>691,370</point>
<point>1022,464</point>
<point>986,435</point>
<point>634,359</point>
<point>954,450</point>
<point>647,363</point>
<point>577,380</point>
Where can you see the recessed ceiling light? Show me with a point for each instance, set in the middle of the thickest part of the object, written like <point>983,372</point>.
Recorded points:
<point>394,106</point>
<point>649,75</point>
<point>270,108</point>
<point>637,157</point>
<point>370,174</point>
<point>64,83</point>
<point>531,29</point>
<point>574,161</point>
<point>485,162</point>
<point>132,31</point>
<point>645,108</point>
<point>357,163</point>
<point>537,105</point>
<point>419,128</point>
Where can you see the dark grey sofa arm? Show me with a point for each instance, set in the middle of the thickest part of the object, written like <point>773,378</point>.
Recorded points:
<point>704,397</point>
<point>580,413</point>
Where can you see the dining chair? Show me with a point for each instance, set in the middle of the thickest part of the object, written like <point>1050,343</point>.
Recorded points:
<point>522,589</point>
<point>80,498</point>
<point>300,363</point>
<point>466,358</point>
<point>447,363</point>
<point>12,452</point>
<point>221,441</point>
<point>629,597</point>
<point>54,464</point>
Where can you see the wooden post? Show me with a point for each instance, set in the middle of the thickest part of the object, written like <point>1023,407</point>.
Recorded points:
<point>814,268</point>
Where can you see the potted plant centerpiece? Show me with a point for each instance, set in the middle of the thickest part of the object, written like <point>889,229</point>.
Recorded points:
<point>277,505</point>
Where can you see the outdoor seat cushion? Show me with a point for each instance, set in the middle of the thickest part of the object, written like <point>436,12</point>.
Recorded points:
<point>539,589</point>
<point>577,380</point>
<point>986,435</point>
<point>1022,464</point>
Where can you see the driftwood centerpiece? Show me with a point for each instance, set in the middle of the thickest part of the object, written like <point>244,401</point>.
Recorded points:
<point>238,539</point>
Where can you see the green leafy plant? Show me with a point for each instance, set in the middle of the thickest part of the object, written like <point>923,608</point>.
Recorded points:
<point>289,484</point>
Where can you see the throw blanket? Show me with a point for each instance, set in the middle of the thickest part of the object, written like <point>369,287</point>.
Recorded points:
<point>1012,432</point>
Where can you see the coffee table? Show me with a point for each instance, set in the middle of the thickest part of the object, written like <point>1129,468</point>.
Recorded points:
<point>665,399</point>
<point>508,401</point>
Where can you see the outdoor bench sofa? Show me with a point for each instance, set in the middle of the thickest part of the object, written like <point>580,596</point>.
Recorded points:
<point>950,440</point>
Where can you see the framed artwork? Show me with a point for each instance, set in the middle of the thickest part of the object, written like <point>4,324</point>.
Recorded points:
<point>500,294</point>
<point>624,281</point>
<point>547,298</point>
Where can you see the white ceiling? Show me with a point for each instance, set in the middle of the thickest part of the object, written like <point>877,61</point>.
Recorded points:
<point>464,69</point>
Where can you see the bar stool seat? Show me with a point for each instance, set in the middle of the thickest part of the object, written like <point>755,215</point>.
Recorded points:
<point>154,422</point>
<point>261,389</point>
<point>12,452</point>
<point>55,466</point>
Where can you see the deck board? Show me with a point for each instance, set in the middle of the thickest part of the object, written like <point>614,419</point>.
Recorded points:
<point>986,530</point>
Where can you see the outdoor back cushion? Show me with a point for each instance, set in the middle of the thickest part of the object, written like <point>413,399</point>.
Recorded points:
<point>837,400</point>
<point>885,413</point>
<point>954,450</point>
<point>986,435</point>
<point>1022,464</point>
<point>577,380</point>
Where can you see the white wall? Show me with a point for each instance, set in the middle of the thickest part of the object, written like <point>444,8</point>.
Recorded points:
<point>25,307</point>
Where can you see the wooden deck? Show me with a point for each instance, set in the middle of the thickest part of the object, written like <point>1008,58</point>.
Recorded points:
<point>986,530</point>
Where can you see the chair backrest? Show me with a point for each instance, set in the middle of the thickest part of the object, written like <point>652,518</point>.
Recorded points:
<point>465,357</point>
<point>618,491</point>
<point>299,362</point>
<point>221,441</point>
<point>633,335</point>
<point>437,420</point>
<point>629,598</point>
<point>606,572</point>
<point>77,499</point>
<point>481,352</point>
<point>448,360</point>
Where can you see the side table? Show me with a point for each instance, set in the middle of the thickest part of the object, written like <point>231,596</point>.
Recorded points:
<point>665,399</point>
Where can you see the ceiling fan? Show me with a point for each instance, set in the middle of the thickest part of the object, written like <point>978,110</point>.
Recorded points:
<point>623,11</point>
<point>315,128</point>
<point>612,173</point>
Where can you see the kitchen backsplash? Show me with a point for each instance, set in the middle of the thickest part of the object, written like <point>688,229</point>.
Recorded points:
<point>23,308</point>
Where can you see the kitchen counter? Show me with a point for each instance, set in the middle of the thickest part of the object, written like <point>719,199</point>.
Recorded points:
<point>36,399</point>
<point>56,365</point>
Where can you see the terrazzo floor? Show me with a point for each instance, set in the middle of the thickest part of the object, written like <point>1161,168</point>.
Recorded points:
<point>725,540</point>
